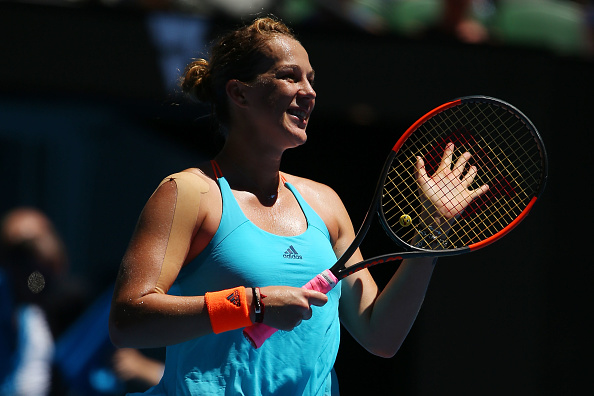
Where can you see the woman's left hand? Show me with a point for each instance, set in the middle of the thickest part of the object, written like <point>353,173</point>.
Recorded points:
<point>448,188</point>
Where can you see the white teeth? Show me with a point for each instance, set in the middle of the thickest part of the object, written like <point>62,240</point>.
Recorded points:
<point>299,113</point>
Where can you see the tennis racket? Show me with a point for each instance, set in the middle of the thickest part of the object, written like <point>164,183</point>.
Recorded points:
<point>507,155</point>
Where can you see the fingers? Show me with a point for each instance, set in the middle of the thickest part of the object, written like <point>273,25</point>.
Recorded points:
<point>479,191</point>
<point>461,164</point>
<point>446,160</point>
<point>308,314</point>
<point>421,173</point>
<point>287,307</point>
<point>469,177</point>
<point>449,189</point>
<point>314,298</point>
<point>317,298</point>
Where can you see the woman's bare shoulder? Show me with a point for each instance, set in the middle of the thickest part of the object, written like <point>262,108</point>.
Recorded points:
<point>198,175</point>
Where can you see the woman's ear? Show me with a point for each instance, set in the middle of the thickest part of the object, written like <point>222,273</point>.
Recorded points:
<point>236,92</point>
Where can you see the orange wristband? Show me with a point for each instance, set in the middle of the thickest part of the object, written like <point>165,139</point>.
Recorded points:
<point>227,309</point>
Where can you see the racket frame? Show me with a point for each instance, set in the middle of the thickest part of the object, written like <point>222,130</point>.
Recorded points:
<point>328,279</point>
<point>339,269</point>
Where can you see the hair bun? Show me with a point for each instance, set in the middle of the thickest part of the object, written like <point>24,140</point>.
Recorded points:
<point>197,81</point>
<point>237,55</point>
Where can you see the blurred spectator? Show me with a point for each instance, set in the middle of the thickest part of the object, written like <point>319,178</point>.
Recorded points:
<point>92,366</point>
<point>136,369</point>
<point>458,19</point>
<point>31,257</point>
<point>28,229</point>
<point>458,22</point>
<point>47,345</point>
<point>27,233</point>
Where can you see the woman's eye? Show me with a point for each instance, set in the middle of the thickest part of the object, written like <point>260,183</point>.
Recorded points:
<point>287,75</point>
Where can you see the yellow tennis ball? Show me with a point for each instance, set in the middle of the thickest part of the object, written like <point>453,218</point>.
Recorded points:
<point>405,220</point>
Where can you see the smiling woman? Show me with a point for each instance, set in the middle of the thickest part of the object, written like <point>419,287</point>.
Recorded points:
<point>240,55</point>
<point>274,90</point>
<point>205,258</point>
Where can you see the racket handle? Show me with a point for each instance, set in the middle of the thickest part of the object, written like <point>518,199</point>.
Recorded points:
<point>257,333</point>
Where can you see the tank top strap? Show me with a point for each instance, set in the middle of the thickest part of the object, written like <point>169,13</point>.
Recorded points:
<point>216,169</point>
<point>312,218</point>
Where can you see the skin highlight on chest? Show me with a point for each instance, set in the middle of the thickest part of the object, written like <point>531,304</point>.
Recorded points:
<point>283,217</point>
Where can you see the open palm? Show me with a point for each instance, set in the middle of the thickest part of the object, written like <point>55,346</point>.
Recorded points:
<point>448,188</point>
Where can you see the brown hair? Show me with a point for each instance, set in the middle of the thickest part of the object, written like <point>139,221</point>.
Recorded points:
<point>236,55</point>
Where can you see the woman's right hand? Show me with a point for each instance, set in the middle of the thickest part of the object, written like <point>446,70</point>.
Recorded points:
<point>285,307</point>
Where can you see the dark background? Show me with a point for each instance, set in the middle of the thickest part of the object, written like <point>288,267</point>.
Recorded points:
<point>90,124</point>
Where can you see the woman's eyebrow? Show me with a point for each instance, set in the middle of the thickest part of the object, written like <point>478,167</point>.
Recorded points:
<point>311,73</point>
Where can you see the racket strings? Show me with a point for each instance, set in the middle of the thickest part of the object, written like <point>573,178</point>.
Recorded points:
<point>507,158</point>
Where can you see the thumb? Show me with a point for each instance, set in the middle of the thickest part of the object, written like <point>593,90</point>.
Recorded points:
<point>316,298</point>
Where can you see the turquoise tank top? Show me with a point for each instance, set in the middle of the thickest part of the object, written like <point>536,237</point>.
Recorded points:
<point>297,362</point>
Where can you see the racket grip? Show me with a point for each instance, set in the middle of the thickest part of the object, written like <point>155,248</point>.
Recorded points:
<point>323,282</point>
<point>257,333</point>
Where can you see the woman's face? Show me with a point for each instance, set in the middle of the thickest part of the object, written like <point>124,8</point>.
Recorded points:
<point>282,98</point>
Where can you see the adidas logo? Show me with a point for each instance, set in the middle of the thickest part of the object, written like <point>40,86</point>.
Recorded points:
<point>234,298</point>
<point>291,253</point>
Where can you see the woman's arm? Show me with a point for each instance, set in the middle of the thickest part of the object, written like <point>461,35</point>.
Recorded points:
<point>380,321</point>
<point>173,228</point>
<point>142,314</point>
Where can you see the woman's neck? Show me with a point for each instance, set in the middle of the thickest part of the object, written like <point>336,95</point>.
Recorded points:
<point>249,171</point>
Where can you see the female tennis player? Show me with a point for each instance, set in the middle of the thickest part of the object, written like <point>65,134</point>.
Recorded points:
<point>231,242</point>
